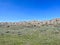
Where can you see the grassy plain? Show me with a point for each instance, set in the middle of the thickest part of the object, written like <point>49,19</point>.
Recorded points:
<point>19,35</point>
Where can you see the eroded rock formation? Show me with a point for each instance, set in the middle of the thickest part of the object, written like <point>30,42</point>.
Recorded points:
<point>32,23</point>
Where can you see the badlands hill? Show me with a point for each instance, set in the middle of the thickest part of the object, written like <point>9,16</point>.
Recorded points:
<point>52,22</point>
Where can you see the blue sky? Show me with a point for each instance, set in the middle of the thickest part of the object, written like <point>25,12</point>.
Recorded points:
<point>25,10</point>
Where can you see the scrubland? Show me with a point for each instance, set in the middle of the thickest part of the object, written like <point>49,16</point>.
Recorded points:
<point>22,35</point>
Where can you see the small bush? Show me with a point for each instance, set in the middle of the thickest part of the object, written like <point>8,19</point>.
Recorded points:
<point>19,33</point>
<point>7,31</point>
<point>8,26</point>
<point>34,25</point>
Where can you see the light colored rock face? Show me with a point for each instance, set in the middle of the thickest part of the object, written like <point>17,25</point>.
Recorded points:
<point>55,21</point>
<point>32,23</point>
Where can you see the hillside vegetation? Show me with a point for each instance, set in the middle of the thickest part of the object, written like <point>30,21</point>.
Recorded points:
<point>30,33</point>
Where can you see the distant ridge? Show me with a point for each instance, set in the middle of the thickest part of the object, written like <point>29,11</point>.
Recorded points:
<point>34,23</point>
